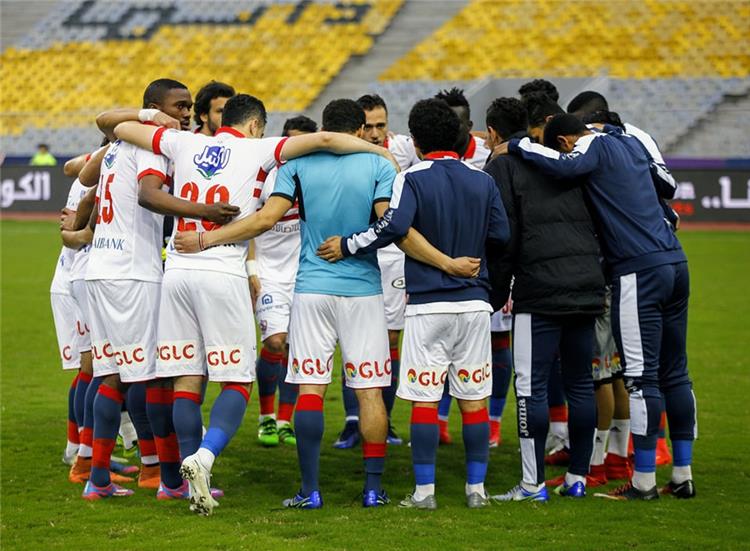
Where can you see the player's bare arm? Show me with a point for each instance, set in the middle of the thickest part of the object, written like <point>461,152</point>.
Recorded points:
<point>108,121</point>
<point>240,230</point>
<point>77,239</point>
<point>416,246</point>
<point>73,167</point>
<point>151,196</point>
<point>334,142</point>
<point>83,213</point>
<point>252,273</point>
<point>89,175</point>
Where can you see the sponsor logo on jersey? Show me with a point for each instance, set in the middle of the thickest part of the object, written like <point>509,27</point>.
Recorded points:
<point>310,367</point>
<point>212,160</point>
<point>224,356</point>
<point>102,352</point>
<point>266,299</point>
<point>412,376</point>
<point>109,158</point>
<point>263,326</point>
<point>477,375</point>
<point>368,370</point>
<point>115,244</point>
<point>399,283</point>
<point>463,375</point>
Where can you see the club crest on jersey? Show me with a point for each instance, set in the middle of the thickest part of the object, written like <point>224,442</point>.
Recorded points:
<point>266,299</point>
<point>212,160</point>
<point>109,158</point>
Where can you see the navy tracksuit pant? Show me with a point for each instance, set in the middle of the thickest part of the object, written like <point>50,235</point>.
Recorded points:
<point>649,322</point>
<point>536,342</point>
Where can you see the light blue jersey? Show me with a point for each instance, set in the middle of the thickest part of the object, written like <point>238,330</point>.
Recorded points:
<point>336,194</point>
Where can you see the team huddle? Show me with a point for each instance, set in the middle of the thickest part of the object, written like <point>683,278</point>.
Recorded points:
<point>403,252</point>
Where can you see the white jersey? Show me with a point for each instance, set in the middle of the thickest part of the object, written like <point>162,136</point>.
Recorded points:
<point>277,250</point>
<point>402,149</point>
<point>221,168</point>
<point>66,260</point>
<point>477,153</point>
<point>127,239</point>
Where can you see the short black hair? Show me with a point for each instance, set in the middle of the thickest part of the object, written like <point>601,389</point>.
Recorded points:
<point>343,115</point>
<point>368,102</point>
<point>155,92</point>
<point>588,102</point>
<point>241,108</point>
<point>603,117</point>
<point>539,106</point>
<point>507,116</point>
<point>300,123</point>
<point>434,125</point>
<point>454,98</point>
<point>206,94</point>
<point>539,85</point>
<point>562,125</point>
<point>42,145</point>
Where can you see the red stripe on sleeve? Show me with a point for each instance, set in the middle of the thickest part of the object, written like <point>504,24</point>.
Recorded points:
<point>153,172</point>
<point>262,175</point>
<point>256,192</point>
<point>279,147</point>
<point>156,140</point>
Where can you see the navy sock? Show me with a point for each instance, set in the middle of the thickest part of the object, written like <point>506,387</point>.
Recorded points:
<point>424,443</point>
<point>309,425</point>
<point>389,393</point>
<point>73,437</point>
<point>268,370</point>
<point>87,434</point>
<point>79,401</point>
<point>226,417</point>
<point>444,407</point>
<point>136,404</point>
<point>476,433</point>
<point>287,396</point>
<point>374,457</point>
<point>107,407</point>
<point>159,410</point>
<point>187,420</point>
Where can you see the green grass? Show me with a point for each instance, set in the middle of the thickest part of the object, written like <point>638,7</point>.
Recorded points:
<point>41,510</point>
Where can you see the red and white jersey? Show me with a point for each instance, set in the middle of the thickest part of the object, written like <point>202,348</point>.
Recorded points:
<point>66,260</point>
<point>402,149</point>
<point>477,153</point>
<point>208,169</point>
<point>127,239</point>
<point>277,250</point>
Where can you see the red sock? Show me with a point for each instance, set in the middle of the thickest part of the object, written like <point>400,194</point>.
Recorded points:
<point>558,414</point>
<point>285,412</point>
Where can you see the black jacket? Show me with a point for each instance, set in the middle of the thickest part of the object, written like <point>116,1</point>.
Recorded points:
<point>553,254</point>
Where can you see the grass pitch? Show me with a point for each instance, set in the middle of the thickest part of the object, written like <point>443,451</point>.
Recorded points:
<point>42,510</point>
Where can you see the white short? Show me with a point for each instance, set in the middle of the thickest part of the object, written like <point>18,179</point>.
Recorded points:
<point>606,360</point>
<point>502,320</point>
<point>357,323</point>
<point>64,311</point>
<point>80,294</point>
<point>123,327</point>
<point>391,261</point>
<point>273,307</point>
<point>440,347</point>
<point>206,326</point>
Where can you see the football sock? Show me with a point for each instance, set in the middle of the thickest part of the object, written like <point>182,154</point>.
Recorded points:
<point>226,417</point>
<point>374,457</point>
<point>682,457</point>
<point>87,434</point>
<point>424,444</point>
<point>269,367</point>
<point>571,479</point>
<point>681,474</point>
<point>444,407</point>
<point>644,481</point>
<point>73,438</point>
<point>308,423</point>
<point>389,393</point>
<point>476,434</point>
<point>79,401</point>
<point>159,410</point>
<point>619,434</point>
<point>501,372</point>
<point>475,489</point>
<point>136,403</point>
<point>188,424</point>
<point>107,405</point>
<point>597,458</point>
<point>287,397</point>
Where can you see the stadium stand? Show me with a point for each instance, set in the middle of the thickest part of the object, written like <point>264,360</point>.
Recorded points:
<point>55,78</point>
<point>685,60</point>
